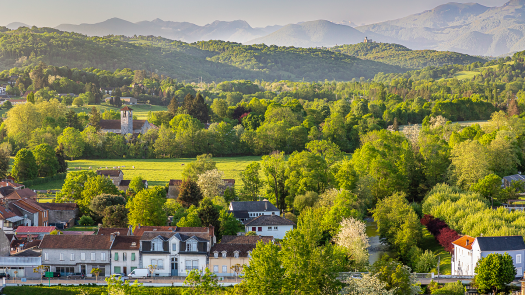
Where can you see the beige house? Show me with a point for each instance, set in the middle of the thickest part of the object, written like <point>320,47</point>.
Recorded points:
<point>233,253</point>
<point>115,175</point>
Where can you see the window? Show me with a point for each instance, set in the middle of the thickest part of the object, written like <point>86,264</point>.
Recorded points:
<point>224,269</point>
<point>216,254</point>
<point>116,256</point>
<point>191,246</point>
<point>124,256</point>
<point>93,256</point>
<point>224,254</point>
<point>61,256</point>
<point>160,264</point>
<point>236,254</point>
<point>82,256</point>
<point>253,228</point>
<point>269,228</point>
<point>275,228</point>
<point>72,258</point>
<point>46,257</point>
<point>195,264</point>
<point>132,256</point>
<point>174,247</point>
<point>188,265</point>
<point>519,271</point>
<point>192,264</point>
<point>216,269</point>
<point>103,256</point>
<point>117,269</point>
<point>518,258</point>
<point>260,228</point>
<point>157,246</point>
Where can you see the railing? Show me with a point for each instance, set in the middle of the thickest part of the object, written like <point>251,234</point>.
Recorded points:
<point>346,275</point>
<point>20,261</point>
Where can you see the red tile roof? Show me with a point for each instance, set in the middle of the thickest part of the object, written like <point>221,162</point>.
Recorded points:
<point>126,108</point>
<point>21,193</point>
<point>105,231</point>
<point>34,229</point>
<point>126,243</point>
<point>462,242</point>
<point>6,213</point>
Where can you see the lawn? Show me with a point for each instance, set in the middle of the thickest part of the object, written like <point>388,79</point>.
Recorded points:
<point>155,171</point>
<point>463,75</point>
<point>430,243</point>
<point>139,110</point>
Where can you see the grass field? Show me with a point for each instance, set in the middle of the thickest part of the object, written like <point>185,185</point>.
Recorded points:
<point>430,243</point>
<point>139,110</point>
<point>155,171</point>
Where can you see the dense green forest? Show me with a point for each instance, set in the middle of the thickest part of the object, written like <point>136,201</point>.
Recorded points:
<point>399,55</point>
<point>213,60</point>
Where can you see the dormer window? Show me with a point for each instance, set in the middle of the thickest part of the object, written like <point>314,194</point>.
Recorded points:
<point>191,246</point>
<point>223,254</point>
<point>236,254</point>
<point>216,254</point>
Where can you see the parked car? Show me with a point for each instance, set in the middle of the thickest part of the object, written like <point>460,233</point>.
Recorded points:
<point>4,275</point>
<point>122,276</point>
<point>139,273</point>
<point>56,274</point>
<point>76,275</point>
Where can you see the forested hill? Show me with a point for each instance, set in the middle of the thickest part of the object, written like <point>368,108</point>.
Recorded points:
<point>212,60</point>
<point>399,55</point>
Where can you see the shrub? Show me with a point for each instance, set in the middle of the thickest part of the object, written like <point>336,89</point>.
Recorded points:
<point>456,288</point>
<point>426,262</point>
<point>86,220</point>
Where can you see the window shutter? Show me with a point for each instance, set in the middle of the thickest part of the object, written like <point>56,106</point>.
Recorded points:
<point>166,246</point>
<point>182,247</point>
<point>116,256</point>
<point>146,246</point>
<point>201,247</point>
<point>132,256</point>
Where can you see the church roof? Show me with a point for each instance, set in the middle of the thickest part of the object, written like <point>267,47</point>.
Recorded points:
<point>115,124</point>
<point>126,108</point>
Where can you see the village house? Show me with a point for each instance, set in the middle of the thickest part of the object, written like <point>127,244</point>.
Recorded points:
<point>126,124</point>
<point>507,180</point>
<point>77,253</point>
<point>269,225</point>
<point>115,175</point>
<point>61,215</point>
<point>125,253</point>
<point>124,184</point>
<point>31,209</point>
<point>468,251</point>
<point>33,232</point>
<point>250,209</point>
<point>233,253</point>
<point>9,220</point>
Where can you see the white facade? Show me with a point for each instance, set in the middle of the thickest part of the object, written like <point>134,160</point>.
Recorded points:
<point>161,262</point>
<point>277,231</point>
<point>124,261</point>
<point>463,261</point>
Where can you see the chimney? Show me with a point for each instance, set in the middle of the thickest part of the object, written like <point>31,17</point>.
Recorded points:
<point>467,242</point>
<point>266,205</point>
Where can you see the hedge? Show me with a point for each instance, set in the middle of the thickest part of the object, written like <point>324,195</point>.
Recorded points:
<point>41,180</point>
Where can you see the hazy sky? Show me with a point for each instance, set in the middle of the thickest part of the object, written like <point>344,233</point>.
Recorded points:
<point>258,13</point>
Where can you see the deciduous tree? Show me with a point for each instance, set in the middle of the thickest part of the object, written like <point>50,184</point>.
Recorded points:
<point>146,207</point>
<point>494,272</point>
<point>71,140</point>
<point>24,166</point>
<point>45,160</point>
<point>189,193</point>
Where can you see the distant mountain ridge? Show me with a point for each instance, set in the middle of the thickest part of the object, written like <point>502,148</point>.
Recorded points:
<point>234,31</point>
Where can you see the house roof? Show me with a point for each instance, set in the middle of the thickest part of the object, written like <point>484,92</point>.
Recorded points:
<point>126,108</point>
<point>462,242</point>
<point>28,253</point>
<point>10,184</point>
<point>6,213</point>
<point>245,239</point>
<point>501,243</point>
<point>29,205</point>
<point>125,182</point>
<point>110,173</point>
<point>230,182</point>
<point>253,206</point>
<point>59,206</point>
<point>176,182</point>
<point>126,243</point>
<point>78,233</point>
<point>6,190</point>
<point>34,229</point>
<point>230,249</point>
<point>207,231</point>
<point>516,177</point>
<point>240,214</point>
<point>115,124</point>
<point>92,242</point>
<point>150,235</point>
<point>105,231</point>
<point>25,244</point>
<point>20,194</point>
<point>269,220</point>
<point>198,237</point>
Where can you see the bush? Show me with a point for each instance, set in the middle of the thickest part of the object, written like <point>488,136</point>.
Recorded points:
<point>456,288</point>
<point>86,220</point>
<point>426,262</point>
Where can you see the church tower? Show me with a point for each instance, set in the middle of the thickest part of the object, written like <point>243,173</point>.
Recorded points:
<point>126,120</point>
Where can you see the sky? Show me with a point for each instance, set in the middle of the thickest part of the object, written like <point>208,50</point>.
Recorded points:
<point>258,13</point>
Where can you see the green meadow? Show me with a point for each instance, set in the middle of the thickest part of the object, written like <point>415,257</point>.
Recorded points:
<point>139,110</point>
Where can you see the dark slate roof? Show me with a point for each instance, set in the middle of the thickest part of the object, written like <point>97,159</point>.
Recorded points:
<point>6,191</point>
<point>264,220</point>
<point>111,173</point>
<point>252,206</point>
<point>501,243</point>
<point>198,237</point>
<point>150,235</point>
<point>517,177</point>
<point>240,214</point>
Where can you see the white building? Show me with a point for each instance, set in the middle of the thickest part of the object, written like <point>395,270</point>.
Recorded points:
<point>125,254</point>
<point>250,209</point>
<point>269,225</point>
<point>468,251</point>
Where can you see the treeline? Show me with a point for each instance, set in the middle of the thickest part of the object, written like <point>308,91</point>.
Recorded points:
<point>398,55</point>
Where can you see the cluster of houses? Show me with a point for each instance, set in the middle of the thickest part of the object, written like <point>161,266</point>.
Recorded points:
<point>164,250</point>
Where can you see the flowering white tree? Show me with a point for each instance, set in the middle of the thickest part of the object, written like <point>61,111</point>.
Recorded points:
<point>352,236</point>
<point>367,285</point>
<point>211,183</point>
<point>411,132</point>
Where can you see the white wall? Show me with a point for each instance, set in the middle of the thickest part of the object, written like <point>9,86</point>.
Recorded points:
<point>277,234</point>
<point>184,257</point>
<point>166,271</point>
<point>121,263</point>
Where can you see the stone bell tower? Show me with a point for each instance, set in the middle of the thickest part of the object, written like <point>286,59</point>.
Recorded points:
<point>126,120</point>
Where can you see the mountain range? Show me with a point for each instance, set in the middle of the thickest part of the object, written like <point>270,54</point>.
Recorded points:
<point>469,28</point>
